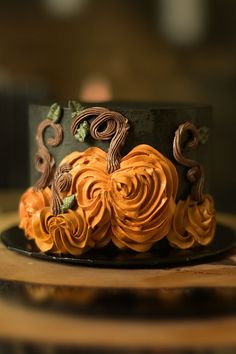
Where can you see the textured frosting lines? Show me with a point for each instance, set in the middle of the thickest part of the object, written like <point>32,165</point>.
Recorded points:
<point>90,185</point>
<point>64,233</point>
<point>136,201</point>
<point>142,196</point>
<point>133,206</point>
<point>31,202</point>
<point>193,223</point>
<point>194,220</point>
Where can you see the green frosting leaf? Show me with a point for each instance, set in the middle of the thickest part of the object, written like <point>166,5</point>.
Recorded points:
<point>68,203</point>
<point>82,131</point>
<point>54,113</point>
<point>203,134</point>
<point>75,108</point>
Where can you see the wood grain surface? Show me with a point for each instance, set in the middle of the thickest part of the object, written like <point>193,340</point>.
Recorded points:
<point>220,273</point>
<point>31,324</point>
<point>20,268</point>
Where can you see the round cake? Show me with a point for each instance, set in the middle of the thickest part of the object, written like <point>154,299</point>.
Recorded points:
<point>127,174</point>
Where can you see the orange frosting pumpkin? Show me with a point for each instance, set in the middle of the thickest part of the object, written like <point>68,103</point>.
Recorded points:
<point>193,223</point>
<point>142,196</point>
<point>136,201</point>
<point>64,233</point>
<point>91,187</point>
<point>32,201</point>
<point>133,206</point>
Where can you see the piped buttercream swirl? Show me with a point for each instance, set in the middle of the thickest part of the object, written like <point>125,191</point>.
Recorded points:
<point>133,206</point>
<point>142,196</point>
<point>63,233</point>
<point>31,202</point>
<point>193,223</point>
<point>90,184</point>
<point>136,202</point>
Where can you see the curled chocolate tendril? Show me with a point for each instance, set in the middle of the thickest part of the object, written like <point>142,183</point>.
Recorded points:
<point>196,173</point>
<point>106,125</point>
<point>61,183</point>
<point>44,161</point>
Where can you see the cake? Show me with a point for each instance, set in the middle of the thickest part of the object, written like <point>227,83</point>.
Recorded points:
<point>123,174</point>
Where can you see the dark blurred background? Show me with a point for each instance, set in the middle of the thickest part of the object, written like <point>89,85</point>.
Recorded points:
<point>148,50</point>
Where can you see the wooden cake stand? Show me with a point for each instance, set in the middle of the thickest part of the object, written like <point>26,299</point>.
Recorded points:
<point>39,324</point>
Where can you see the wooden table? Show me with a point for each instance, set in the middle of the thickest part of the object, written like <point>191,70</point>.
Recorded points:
<point>31,324</point>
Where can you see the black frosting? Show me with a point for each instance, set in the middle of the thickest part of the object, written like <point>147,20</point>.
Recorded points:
<point>152,124</point>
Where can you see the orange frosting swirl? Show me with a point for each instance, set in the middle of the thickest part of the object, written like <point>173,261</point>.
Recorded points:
<point>133,206</point>
<point>64,233</point>
<point>90,185</point>
<point>193,223</point>
<point>142,196</point>
<point>31,202</point>
<point>136,201</point>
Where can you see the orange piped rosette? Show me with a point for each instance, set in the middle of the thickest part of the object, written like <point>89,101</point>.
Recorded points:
<point>142,196</point>
<point>31,202</point>
<point>90,185</point>
<point>193,224</point>
<point>64,233</point>
<point>133,206</point>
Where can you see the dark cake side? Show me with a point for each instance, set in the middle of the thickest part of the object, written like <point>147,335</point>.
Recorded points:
<point>130,175</point>
<point>151,124</point>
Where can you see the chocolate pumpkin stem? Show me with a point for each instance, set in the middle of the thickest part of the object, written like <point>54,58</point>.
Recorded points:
<point>196,173</point>
<point>106,125</point>
<point>61,183</point>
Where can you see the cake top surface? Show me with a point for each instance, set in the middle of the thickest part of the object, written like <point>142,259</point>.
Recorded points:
<point>132,105</point>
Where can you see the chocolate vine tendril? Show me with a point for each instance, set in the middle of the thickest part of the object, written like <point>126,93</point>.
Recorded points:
<point>44,161</point>
<point>106,125</point>
<point>196,173</point>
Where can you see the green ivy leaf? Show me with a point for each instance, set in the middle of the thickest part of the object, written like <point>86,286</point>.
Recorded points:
<point>68,203</point>
<point>75,108</point>
<point>203,134</point>
<point>54,113</point>
<point>82,131</point>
